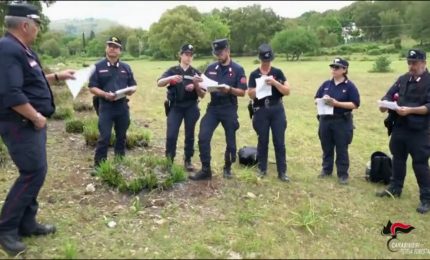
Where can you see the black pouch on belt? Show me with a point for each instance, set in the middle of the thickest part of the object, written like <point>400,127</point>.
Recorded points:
<point>250,109</point>
<point>167,107</point>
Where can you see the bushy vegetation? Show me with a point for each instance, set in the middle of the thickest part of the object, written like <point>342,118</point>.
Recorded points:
<point>382,64</point>
<point>136,174</point>
<point>3,153</point>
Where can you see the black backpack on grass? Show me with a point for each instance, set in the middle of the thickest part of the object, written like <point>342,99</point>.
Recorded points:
<point>247,156</point>
<point>380,168</point>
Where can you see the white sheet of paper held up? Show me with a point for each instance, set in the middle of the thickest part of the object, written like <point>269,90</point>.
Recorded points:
<point>81,77</point>
<point>123,92</point>
<point>263,89</point>
<point>388,104</point>
<point>323,108</point>
<point>207,82</point>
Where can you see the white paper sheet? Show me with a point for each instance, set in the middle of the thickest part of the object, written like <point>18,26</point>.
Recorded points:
<point>207,82</point>
<point>217,88</point>
<point>123,92</point>
<point>322,108</point>
<point>81,77</point>
<point>388,104</point>
<point>263,89</point>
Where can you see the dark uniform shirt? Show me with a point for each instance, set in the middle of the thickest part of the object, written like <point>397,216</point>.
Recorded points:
<point>414,95</point>
<point>277,75</point>
<point>345,91</point>
<point>232,75</point>
<point>22,79</point>
<point>112,77</point>
<point>177,93</point>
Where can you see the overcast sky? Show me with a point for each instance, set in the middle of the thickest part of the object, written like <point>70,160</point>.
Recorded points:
<point>143,14</point>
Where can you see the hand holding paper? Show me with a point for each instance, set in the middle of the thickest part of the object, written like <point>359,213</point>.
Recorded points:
<point>123,92</point>
<point>392,105</point>
<point>323,108</point>
<point>263,89</point>
<point>81,77</point>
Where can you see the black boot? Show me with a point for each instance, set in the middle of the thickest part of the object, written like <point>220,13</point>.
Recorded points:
<point>188,165</point>
<point>343,180</point>
<point>283,177</point>
<point>261,174</point>
<point>11,244</point>
<point>424,207</point>
<point>40,230</point>
<point>227,174</point>
<point>204,174</point>
<point>389,191</point>
<point>324,174</point>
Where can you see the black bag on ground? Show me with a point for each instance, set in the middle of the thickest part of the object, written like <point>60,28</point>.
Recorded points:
<point>247,156</point>
<point>380,168</point>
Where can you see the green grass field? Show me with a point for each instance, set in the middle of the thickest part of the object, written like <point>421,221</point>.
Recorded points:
<point>307,218</point>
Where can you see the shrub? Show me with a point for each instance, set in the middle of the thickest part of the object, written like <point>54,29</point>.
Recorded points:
<point>138,137</point>
<point>374,52</point>
<point>3,153</point>
<point>397,43</point>
<point>74,126</point>
<point>136,174</point>
<point>203,66</point>
<point>382,64</point>
<point>62,113</point>
<point>80,106</point>
<point>91,133</point>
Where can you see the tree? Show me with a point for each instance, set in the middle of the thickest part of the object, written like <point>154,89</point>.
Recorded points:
<point>51,47</point>
<point>92,35</point>
<point>83,41</point>
<point>133,45</point>
<point>390,21</point>
<point>366,16</point>
<point>74,47</point>
<point>96,47</point>
<point>175,27</point>
<point>250,26</point>
<point>213,28</point>
<point>295,42</point>
<point>38,4</point>
<point>420,24</point>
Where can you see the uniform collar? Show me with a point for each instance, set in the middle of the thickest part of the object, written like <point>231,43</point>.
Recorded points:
<point>411,78</point>
<point>13,37</point>
<point>345,81</point>
<point>219,65</point>
<point>116,64</point>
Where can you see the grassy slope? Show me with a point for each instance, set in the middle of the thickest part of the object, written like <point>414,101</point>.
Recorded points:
<point>217,219</point>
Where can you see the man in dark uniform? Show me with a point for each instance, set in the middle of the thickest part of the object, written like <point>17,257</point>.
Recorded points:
<point>221,109</point>
<point>269,112</point>
<point>410,133</point>
<point>111,75</point>
<point>183,92</point>
<point>25,103</point>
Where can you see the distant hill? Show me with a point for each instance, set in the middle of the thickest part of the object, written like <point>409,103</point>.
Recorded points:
<point>74,27</point>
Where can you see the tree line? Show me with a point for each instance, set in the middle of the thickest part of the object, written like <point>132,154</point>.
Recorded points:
<point>248,27</point>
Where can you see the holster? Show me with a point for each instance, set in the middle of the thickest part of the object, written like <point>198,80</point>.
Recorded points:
<point>167,106</point>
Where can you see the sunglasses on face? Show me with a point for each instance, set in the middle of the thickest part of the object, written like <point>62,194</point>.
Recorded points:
<point>335,67</point>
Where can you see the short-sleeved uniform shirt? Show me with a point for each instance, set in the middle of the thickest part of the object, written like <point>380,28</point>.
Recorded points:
<point>277,74</point>
<point>345,91</point>
<point>176,93</point>
<point>232,75</point>
<point>112,77</point>
<point>22,79</point>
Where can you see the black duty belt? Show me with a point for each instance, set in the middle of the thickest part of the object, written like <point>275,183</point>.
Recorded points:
<point>267,102</point>
<point>13,118</point>
<point>336,116</point>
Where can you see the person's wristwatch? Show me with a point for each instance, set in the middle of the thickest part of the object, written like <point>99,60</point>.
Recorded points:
<point>56,77</point>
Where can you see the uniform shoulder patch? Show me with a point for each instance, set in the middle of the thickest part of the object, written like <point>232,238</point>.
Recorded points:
<point>243,80</point>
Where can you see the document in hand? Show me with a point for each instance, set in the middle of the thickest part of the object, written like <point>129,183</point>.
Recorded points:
<point>263,89</point>
<point>323,108</point>
<point>211,85</point>
<point>388,104</point>
<point>81,77</point>
<point>123,92</point>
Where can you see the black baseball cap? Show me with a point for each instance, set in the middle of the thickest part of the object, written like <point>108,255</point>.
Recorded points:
<point>187,48</point>
<point>265,52</point>
<point>219,45</point>
<point>340,62</point>
<point>416,55</point>
<point>23,10</point>
<point>114,40</point>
